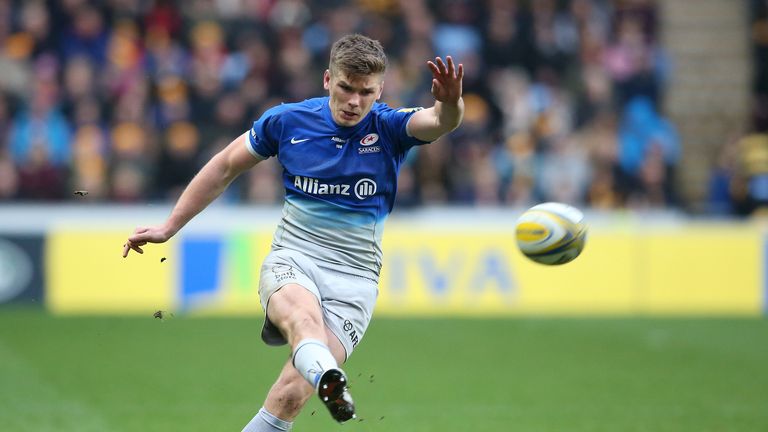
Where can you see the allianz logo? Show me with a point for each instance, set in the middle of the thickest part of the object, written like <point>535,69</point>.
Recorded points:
<point>363,189</point>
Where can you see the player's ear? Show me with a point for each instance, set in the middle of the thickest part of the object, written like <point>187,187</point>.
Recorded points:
<point>381,90</point>
<point>327,79</point>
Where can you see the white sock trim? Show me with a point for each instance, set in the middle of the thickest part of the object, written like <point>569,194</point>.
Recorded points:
<point>304,343</point>
<point>265,421</point>
<point>274,421</point>
<point>311,358</point>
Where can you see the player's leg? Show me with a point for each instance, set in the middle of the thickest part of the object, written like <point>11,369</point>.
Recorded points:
<point>290,293</point>
<point>332,388</point>
<point>288,395</point>
<point>296,311</point>
<point>291,391</point>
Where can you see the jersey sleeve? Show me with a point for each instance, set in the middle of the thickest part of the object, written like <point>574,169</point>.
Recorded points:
<point>397,121</point>
<point>262,138</point>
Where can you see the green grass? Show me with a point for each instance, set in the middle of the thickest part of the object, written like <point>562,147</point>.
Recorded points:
<point>532,375</point>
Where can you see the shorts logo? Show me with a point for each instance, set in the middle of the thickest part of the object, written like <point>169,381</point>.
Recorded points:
<point>351,332</point>
<point>364,188</point>
<point>369,139</point>
<point>283,273</point>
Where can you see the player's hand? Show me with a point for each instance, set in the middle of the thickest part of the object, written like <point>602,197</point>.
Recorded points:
<point>446,80</point>
<point>144,235</point>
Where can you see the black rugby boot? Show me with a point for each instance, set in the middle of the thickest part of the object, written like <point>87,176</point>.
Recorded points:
<point>332,390</point>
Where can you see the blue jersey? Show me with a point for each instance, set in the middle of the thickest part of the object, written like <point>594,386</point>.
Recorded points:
<point>340,181</point>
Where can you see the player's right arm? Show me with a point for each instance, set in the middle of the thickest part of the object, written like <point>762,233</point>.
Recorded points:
<point>205,187</point>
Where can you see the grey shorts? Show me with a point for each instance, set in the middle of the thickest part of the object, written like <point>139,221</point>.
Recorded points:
<point>347,300</point>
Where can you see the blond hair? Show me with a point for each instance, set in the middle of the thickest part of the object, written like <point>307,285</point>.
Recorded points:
<point>356,54</point>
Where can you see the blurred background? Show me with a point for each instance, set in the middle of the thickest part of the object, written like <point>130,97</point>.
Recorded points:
<point>650,115</point>
<point>608,104</point>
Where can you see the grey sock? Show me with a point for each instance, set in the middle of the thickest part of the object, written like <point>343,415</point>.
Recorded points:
<point>266,422</point>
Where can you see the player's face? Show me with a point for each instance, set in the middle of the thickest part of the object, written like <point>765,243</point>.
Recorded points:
<point>352,96</point>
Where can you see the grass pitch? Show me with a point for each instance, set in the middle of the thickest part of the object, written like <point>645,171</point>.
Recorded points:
<point>533,375</point>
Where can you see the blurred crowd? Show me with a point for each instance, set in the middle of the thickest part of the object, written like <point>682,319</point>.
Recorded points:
<point>739,181</point>
<point>126,99</point>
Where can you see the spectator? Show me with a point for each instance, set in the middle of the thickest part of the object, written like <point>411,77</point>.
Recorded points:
<point>9,181</point>
<point>125,96</point>
<point>40,145</point>
<point>179,159</point>
<point>752,193</point>
<point>86,35</point>
<point>89,165</point>
<point>649,150</point>
<point>726,190</point>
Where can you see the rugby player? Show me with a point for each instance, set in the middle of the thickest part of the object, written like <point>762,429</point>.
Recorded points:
<point>340,156</point>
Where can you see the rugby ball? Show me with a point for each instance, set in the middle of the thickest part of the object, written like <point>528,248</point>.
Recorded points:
<point>551,233</point>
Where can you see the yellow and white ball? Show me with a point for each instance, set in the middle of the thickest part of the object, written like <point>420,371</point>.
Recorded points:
<point>551,233</point>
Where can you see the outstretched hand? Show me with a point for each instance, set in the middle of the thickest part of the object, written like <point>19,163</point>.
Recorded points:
<point>446,79</point>
<point>144,235</point>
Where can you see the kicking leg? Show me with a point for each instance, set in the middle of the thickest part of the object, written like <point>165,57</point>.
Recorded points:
<point>297,313</point>
<point>288,395</point>
<point>317,353</point>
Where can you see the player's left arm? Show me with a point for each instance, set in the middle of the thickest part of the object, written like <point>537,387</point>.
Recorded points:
<point>432,123</point>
